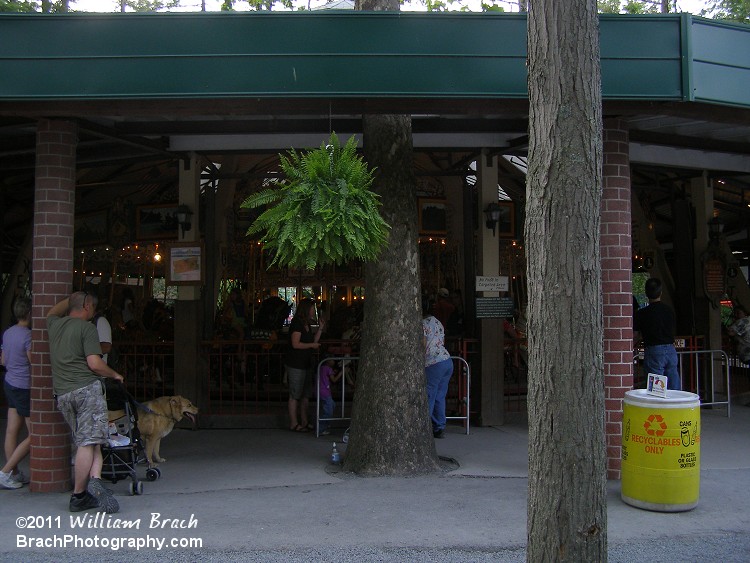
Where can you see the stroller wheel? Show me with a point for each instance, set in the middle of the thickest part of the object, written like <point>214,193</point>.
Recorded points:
<point>136,488</point>
<point>153,473</point>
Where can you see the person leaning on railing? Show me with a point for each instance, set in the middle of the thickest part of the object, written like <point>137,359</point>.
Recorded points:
<point>298,362</point>
<point>655,324</point>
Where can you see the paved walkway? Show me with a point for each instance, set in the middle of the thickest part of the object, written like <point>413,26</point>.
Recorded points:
<point>270,495</point>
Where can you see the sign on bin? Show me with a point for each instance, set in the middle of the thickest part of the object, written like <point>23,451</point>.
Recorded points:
<point>661,450</point>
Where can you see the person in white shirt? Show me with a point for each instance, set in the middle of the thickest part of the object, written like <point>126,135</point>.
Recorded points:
<point>104,329</point>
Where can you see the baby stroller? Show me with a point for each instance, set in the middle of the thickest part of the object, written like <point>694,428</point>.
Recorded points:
<point>124,449</point>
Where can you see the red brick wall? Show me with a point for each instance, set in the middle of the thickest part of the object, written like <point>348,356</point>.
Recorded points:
<point>616,285</point>
<point>54,202</point>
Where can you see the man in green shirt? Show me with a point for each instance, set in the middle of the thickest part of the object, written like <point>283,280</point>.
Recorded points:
<point>77,369</point>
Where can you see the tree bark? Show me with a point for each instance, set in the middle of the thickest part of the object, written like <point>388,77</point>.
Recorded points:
<point>567,452</point>
<point>391,432</point>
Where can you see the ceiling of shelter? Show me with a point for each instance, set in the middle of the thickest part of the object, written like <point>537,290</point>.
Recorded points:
<point>132,150</point>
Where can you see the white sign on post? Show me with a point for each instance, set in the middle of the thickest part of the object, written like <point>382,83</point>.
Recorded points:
<point>492,283</point>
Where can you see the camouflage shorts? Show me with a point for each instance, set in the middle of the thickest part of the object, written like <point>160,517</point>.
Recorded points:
<point>85,411</point>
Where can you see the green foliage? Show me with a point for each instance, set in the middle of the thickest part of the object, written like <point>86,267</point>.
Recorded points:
<point>629,6</point>
<point>148,5</point>
<point>608,6</point>
<point>323,212</point>
<point>257,5</point>
<point>639,286</point>
<point>492,7</point>
<point>730,10</point>
<point>8,6</point>
<point>46,6</point>
<point>436,5</point>
<point>456,5</point>
<point>635,7</point>
<point>726,315</point>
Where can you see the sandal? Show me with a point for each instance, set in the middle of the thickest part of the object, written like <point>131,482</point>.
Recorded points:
<point>298,428</point>
<point>309,427</point>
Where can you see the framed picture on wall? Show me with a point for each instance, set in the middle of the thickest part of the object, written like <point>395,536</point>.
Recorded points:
<point>156,222</point>
<point>90,228</point>
<point>185,263</point>
<point>432,216</point>
<point>506,224</point>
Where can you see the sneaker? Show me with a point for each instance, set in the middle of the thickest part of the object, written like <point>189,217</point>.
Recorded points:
<point>103,495</point>
<point>20,477</point>
<point>438,434</point>
<point>86,503</point>
<point>325,433</point>
<point>7,482</point>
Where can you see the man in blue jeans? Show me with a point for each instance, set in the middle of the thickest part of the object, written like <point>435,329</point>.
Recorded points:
<point>655,324</point>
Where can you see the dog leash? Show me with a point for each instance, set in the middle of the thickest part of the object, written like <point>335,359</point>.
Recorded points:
<point>143,407</point>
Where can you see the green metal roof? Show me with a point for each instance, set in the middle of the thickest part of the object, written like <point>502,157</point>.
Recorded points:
<point>352,54</point>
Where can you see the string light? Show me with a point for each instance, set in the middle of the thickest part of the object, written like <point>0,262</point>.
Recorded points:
<point>426,240</point>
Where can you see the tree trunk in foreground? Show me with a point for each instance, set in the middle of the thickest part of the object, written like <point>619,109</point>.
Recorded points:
<point>391,432</point>
<point>567,452</point>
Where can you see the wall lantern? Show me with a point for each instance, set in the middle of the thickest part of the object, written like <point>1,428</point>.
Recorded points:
<point>183,218</point>
<point>492,211</point>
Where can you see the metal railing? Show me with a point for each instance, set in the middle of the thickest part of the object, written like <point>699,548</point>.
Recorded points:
<point>347,362</point>
<point>463,396</point>
<point>740,374</point>
<point>246,377</point>
<point>148,367</point>
<point>700,366</point>
<point>460,385</point>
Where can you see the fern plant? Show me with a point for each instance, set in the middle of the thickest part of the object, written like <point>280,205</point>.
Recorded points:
<point>323,212</point>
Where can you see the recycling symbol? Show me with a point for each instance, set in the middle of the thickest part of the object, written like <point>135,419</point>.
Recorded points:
<point>655,425</point>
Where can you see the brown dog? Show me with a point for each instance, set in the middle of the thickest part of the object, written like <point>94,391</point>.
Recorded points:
<point>157,418</point>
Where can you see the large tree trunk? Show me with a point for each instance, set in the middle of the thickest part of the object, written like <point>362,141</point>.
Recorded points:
<point>391,432</point>
<point>567,453</point>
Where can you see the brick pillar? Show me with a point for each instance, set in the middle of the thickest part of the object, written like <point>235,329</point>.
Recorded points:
<point>616,285</point>
<point>52,267</point>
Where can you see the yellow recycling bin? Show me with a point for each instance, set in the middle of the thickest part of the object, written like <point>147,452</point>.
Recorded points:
<point>661,450</point>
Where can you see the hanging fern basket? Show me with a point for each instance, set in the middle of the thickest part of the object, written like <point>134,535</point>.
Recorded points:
<point>323,212</point>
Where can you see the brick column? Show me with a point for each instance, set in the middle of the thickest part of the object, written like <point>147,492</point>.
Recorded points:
<point>616,285</point>
<point>52,267</point>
